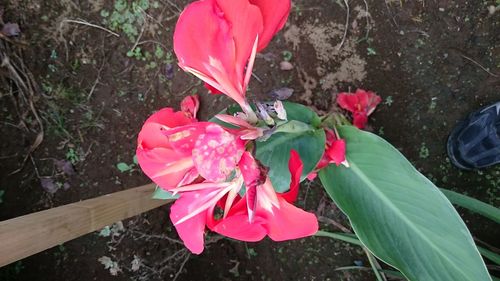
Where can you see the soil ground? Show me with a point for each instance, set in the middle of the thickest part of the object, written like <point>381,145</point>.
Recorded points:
<point>432,61</point>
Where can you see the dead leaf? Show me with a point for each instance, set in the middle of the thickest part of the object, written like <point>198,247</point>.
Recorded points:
<point>11,29</point>
<point>281,93</point>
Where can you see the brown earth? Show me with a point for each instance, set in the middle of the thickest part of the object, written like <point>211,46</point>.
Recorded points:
<point>431,61</point>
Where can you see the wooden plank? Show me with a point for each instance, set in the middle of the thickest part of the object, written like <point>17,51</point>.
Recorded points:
<point>30,234</point>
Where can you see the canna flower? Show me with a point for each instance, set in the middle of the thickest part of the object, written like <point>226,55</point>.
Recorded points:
<point>263,212</point>
<point>216,40</point>
<point>160,156</point>
<point>174,150</point>
<point>361,104</point>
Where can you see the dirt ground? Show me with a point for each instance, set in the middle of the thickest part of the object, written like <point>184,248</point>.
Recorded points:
<point>101,67</point>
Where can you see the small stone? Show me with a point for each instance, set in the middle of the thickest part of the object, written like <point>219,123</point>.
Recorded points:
<point>285,65</point>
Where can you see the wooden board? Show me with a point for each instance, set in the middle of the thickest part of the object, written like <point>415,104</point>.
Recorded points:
<point>30,234</point>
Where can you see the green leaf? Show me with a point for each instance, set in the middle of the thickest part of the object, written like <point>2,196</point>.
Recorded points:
<point>123,167</point>
<point>494,257</point>
<point>310,144</point>
<point>162,194</point>
<point>473,205</point>
<point>399,215</point>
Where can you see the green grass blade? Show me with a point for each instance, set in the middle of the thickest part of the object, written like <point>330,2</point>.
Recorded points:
<point>472,204</point>
<point>494,257</point>
<point>349,238</point>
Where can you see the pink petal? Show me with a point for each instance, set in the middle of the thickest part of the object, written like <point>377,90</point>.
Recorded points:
<point>249,169</point>
<point>154,162</point>
<point>190,105</point>
<point>238,227</point>
<point>191,231</point>
<point>246,24</point>
<point>183,139</point>
<point>289,222</point>
<point>311,176</point>
<point>274,14</point>
<point>202,32</point>
<point>216,153</point>
<point>233,120</point>
<point>151,134</point>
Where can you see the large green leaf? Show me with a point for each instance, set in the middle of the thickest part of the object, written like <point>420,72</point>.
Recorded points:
<point>310,144</point>
<point>399,215</point>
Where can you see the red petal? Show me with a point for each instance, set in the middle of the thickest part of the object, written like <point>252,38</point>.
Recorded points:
<point>274,13</point>
<point>190,105</point>
<point>295,167</point>
<point>336,151</point>
<point>348,101</point>
<point>359,120</point>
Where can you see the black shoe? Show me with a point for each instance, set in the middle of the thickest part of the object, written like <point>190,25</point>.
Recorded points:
<point>475,142</point>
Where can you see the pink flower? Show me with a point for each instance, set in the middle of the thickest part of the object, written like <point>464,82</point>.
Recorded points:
<point>160,156</point>
<point>216,40</point>
<point>262,211</point>
<point>361,104</point>
<point>174,150</point>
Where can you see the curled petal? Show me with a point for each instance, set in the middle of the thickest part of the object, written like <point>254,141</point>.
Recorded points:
<point>274,13</point>
<point>190,105</point>
<point>295,167</point>
<point>151,134</point>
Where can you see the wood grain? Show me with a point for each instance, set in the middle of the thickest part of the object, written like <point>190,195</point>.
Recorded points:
<point>30,234</point>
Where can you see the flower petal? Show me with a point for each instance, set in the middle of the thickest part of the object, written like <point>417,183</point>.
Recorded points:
<point>190,105</point>
<point>336,151</point>
<point>151,134</point>
<point>246,24</point>
<point>289,222</point>
<point>216,153</point>
<point>154,163</point>
<point>348,102</point>
<point>274,13</point>
<point>295,167</point>
<point>238,227</point>
<point>191,231</point>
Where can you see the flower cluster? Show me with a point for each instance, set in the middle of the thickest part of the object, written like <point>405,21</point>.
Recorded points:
<point>221,185</point>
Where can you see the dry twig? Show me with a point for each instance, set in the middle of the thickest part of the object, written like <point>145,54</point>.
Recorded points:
<point>91,25</point>
<point>346,2</point>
